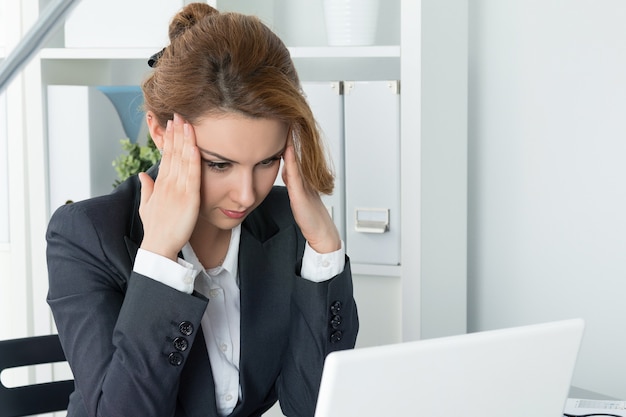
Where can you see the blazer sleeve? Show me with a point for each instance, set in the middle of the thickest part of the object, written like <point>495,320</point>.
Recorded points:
<point>126,336</point>
<point>324,319</point>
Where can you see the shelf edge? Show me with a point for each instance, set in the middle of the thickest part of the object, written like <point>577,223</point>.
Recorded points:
<point>96,53</point>
<point>297,52</point>
<point>392,51</point>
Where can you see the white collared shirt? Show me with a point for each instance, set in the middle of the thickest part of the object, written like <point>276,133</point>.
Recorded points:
<point>221,320</point>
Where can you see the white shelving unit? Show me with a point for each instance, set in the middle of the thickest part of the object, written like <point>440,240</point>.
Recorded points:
<point>422,297</point>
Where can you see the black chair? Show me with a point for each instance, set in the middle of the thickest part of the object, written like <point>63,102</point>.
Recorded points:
<point>37,398</point>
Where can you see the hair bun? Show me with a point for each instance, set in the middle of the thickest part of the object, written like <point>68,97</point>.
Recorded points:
<point>188,17</point>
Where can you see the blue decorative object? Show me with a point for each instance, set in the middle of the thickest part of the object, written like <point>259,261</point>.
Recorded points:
<point>128,102</point>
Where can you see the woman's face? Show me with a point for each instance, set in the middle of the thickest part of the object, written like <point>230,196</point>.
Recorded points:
<point>240,162</point>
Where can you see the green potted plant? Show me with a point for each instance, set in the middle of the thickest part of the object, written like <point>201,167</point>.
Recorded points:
<point>137,158</point>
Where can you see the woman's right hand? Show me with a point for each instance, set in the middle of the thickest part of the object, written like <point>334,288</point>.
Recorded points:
<point>169,206</point>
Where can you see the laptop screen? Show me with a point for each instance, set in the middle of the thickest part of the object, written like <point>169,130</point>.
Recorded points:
<point>515,372</point>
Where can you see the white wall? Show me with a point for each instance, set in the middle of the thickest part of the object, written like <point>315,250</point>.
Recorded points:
<point>547,173</point>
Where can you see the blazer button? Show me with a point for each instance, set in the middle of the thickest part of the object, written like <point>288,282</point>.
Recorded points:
<point>335,322</point>
<point>186,328</point>
<point>181,344</point>
<point>175,358</point>
<point>336,336</point>
<point>335,307</point>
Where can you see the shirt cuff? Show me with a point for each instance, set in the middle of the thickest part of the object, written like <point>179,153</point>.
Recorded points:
<point>319,267</point>
<point>178,275</point>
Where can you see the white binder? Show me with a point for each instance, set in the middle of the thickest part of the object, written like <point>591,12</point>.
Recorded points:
<point>326,101</point>
<point>372,158</point>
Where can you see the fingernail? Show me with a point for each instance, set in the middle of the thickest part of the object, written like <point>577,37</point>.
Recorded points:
<point>186,129</point>
<point>169,125</point>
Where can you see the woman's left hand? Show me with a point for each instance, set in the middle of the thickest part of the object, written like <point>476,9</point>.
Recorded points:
<point>308,209</point>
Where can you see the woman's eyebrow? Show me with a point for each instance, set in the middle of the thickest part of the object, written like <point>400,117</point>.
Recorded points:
<point>216,155</point>
<point>224,159</point>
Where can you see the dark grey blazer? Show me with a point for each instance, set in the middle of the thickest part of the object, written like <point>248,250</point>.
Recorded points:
<point>136,346</point>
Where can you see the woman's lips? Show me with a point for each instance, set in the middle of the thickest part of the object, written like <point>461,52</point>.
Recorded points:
<point>233,214</point>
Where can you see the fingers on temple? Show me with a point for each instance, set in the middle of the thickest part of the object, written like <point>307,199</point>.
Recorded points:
<point>177,147</point>
<point>293,171</point>
<point>164,167</point>
<point>190,157</point>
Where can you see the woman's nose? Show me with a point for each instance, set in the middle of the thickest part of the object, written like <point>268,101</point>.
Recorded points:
<point>243,190</point>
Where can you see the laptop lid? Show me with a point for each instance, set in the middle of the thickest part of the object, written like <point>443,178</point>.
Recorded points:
<point>515,372</point>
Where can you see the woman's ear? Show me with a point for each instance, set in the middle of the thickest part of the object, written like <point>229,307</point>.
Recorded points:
<point>156,130</point>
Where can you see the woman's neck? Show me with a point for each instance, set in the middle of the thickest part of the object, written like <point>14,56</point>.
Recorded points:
<point>210,245</point>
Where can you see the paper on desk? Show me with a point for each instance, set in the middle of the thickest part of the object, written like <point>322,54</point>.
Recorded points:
<point>581,406</point>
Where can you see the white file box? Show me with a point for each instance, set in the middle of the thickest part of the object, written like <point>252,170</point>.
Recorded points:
<point>372,171</point>
<point>326,101</point>
<point>120,24</point>
<point>84,134</point>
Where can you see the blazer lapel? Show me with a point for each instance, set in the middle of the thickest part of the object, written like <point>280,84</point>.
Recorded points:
<point>135,226</point>
<point>266,266</point>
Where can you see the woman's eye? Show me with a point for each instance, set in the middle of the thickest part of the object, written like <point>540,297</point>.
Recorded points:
<point>269,162</point>
<point>218,166</point>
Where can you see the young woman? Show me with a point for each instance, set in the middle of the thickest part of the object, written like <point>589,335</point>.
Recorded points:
<point>199,288</point>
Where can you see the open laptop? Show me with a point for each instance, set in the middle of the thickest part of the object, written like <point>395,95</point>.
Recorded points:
<point>515,372</point>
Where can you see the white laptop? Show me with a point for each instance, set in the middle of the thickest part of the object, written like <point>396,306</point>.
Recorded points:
<point>515,372</point>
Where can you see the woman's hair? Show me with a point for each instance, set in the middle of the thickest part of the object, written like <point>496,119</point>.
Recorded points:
<point>220,63</point>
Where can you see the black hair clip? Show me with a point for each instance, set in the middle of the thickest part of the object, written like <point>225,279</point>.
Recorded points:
<point>155,58</point>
